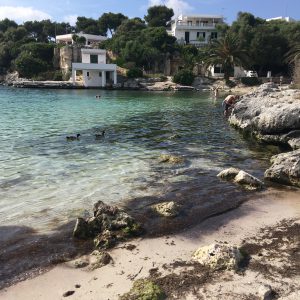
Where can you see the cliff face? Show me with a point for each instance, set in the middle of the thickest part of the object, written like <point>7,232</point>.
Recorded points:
<point>63,57</point>
<point>273,116</point>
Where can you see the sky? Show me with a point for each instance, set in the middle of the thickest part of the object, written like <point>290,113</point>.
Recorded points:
<point>68,10</point>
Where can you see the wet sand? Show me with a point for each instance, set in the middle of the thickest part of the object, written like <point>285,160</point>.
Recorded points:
<point>159,254</point>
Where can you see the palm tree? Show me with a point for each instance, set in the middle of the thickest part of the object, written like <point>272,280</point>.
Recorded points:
<point>293,55</point>
<point>227,52</point>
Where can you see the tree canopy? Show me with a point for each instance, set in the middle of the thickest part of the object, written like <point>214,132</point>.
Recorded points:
<point>110,22</point>
<point>159,16</point>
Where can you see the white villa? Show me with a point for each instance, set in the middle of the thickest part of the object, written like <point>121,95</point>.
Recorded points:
<point>90,39</point>
<point>197,30</point>
<point>94,69</point>
<point>287,19</point>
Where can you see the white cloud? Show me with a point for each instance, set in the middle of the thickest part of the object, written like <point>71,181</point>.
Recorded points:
<point>179,6</point>
<point>70,19</point>
<point>21,14</point>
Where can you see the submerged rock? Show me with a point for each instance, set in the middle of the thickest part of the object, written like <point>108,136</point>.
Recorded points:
<point>248,181</point>
<point>144,289</point>
<point>219,256</point>
<point>166,209</point>
<point>229,174</point>
<point>109,225</point>
<point>285,168</point>
<point>168,158</point>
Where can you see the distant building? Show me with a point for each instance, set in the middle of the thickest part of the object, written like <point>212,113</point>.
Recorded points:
<point>196,30</point>
<point>94,71</point>
<point>287,19</point>
<point>90,39</point>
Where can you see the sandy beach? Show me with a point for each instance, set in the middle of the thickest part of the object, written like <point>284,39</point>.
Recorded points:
<point>161,257</point>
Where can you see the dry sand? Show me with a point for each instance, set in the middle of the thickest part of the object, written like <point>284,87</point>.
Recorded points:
<point>114,279</point>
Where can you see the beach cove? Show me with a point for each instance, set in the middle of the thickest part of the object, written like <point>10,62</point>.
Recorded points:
<point>48,181</point>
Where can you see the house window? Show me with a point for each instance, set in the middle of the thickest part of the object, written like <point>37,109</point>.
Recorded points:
<point>218,69</point>
<point>197,23</point>
<point>88,74</point>
<point>94,59</point>
<point>100,74</point>
<point>201,35</point>
<point>190,23</point>
<point>214,35</point>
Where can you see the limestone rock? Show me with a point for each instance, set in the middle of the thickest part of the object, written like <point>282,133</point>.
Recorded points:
<point>101,259</point>
<point>78,264</point>
<point>172,159</point>
<point>219,256</point>
<point>144,289</point>
<point>268,111</point>
<point>229,174</point>
<point>265,292</point>
<point>285,168</point>
<point>166,209</point>
<point>248,181</point>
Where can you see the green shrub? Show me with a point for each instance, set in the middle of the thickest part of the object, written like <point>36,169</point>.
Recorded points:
<point>29,66</point>
<point>57,76</point>
<point>134,73</point>
<point>184,76</point>
<point>250,81</point>
<point>163,78</point>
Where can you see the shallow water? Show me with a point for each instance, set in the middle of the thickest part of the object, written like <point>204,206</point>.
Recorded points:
<point>45,181</point>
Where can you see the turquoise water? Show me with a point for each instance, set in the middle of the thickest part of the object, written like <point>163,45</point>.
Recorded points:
<point>46,181</point>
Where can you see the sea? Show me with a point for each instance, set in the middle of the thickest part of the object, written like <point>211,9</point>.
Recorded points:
<point>47,181</point>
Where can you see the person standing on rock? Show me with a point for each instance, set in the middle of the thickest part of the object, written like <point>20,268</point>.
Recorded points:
<point>228,103</point>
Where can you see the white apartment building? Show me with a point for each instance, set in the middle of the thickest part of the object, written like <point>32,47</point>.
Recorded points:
<point>196,30</point>
<point>287,19</point>
<point>94,71</point>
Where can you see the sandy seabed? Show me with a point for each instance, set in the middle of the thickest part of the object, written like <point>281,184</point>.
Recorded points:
<point>268,228</point>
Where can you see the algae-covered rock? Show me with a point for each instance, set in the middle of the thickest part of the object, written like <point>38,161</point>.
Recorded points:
<point>166,209</point>
<point>105,240</point>
<point>109,225</point>
<point>144,289</point>
<point>219,256</point>
<point>248,181</point>
<point>101,259</point>
<point>229,174</point>
<point>81,229</point>
<point>172,159</point>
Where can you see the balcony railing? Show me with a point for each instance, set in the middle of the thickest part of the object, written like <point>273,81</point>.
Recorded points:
<point>195,26</point>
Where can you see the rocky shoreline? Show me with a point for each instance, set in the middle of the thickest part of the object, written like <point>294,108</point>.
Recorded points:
<point>272,115</point>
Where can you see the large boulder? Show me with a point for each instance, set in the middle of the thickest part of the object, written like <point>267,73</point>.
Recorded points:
<point>268,111</point>
<point>285,168</point>
<point>219,256</point>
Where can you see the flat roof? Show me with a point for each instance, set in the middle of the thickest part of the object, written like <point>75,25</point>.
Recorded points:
<point>202,16</point>
<point>68,37</point>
